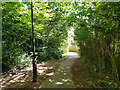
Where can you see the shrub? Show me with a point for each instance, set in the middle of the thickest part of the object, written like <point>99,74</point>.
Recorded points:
<point>73,48</point>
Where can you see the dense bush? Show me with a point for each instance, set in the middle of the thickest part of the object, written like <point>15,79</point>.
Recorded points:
<point>49,32</point>
<point>97,33</point>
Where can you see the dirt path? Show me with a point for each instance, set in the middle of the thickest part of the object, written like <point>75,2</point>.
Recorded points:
<point>53,74</point>
<point>73,72</point>
<point>63,76</point>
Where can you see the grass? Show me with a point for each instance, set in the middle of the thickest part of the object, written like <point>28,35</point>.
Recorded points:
<point>73,48</point>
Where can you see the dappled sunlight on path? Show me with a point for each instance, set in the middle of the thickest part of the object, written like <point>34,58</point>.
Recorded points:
<point>62,78</point>
<point>24,78</point>
<point>54,74</point>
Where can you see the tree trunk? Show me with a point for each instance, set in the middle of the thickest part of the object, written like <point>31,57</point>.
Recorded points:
<point>33,48</point>
<point>119,56</point>
<point>108,63</point>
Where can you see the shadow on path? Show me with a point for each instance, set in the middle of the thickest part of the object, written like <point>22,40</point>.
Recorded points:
<point>63,76</point>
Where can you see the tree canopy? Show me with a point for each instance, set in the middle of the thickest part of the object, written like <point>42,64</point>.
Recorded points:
<point>96,24</point>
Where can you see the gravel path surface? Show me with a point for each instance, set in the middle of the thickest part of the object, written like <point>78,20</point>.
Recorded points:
<point>62,77</point>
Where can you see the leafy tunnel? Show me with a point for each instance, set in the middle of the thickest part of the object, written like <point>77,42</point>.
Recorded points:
<point>95,25</point>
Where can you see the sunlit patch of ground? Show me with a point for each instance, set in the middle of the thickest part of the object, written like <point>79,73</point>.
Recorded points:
<point>85,76</point>
<point>73,48</point>
<point>70,54</point>
<point>23,79</point>
<point>63,76</point>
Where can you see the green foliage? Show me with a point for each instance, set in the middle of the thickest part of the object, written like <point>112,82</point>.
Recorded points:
<point>23,60</point>
<point>49,29</point>
<point>15,34</point>
<point>73,48</point>
<point>97,34</point>
<point>102,83</point>
<point>96,27</point>
<point>64,46</point>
